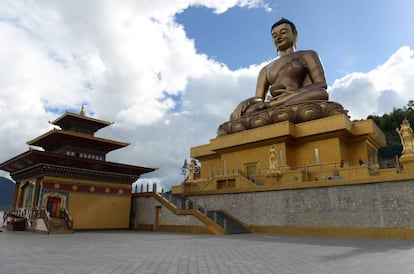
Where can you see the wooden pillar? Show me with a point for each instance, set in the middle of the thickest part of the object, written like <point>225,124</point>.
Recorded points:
<point>36,192</point>
<point>15,194</point>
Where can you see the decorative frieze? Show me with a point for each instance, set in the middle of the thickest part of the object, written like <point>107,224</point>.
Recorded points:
<point>85,188</point>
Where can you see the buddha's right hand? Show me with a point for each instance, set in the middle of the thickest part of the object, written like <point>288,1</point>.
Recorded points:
<point>243,106</point>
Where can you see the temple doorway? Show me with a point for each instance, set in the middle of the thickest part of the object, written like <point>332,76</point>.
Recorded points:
<point>54,203</point>
<point>53,206</point>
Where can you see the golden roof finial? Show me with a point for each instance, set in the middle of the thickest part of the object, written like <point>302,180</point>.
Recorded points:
<point>82,111</point>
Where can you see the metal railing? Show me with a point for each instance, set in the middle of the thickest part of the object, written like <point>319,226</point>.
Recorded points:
<point>218,217</point>
<point>68,218</point>
<point>46,219</point>
<point>39,213</point>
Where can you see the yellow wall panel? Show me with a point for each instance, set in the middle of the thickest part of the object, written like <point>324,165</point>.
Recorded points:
<point>93,211</point>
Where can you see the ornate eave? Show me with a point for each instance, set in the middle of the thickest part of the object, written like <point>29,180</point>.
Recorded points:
<point>39,163</point>
<point>57,137</point>
<point>42,170</point>
<point>69,119</point>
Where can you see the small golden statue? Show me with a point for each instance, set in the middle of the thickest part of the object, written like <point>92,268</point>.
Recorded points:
<point>273,165</point>
<point>406,136</point>
<point>272,159</point>
<point>191,170</point>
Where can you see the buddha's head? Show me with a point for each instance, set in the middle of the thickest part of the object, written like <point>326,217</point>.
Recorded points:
<point>284,34</point>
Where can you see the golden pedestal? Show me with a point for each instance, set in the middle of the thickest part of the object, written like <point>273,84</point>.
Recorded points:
<point>407,162</point>
<point>305,152</point>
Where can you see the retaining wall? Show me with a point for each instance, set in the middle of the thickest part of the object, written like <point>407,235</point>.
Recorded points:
<point>370,210</point>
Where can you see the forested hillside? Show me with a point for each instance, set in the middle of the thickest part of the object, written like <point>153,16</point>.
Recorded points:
<point>388,123</point>
<point>6,193</point>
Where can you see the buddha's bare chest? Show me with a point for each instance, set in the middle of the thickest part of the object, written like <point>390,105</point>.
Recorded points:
<point>287,68</point>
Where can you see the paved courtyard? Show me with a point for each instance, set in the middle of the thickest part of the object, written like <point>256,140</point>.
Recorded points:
<point>153,252</point>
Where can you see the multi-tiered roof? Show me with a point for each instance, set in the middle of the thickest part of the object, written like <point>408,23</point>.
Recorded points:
<point>73,151</point>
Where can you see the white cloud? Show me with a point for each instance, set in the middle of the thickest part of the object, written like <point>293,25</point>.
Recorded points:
<point>207,102</point>
<point>221,6</point>
<point>379,90</point>
<point>131,63</point>
<point>126,61</point>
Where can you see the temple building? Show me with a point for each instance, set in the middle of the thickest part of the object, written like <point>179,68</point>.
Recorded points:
<point>69,185</point>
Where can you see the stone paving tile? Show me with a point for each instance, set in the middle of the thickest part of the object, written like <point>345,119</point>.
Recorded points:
<point>153,252</point>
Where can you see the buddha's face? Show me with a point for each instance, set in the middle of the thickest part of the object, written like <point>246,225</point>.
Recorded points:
<point>283,36</point>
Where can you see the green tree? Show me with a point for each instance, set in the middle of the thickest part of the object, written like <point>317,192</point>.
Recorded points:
<point>410,105</point>
<point>184,168</point>
<point>197,167</point>
<point>388,123</point>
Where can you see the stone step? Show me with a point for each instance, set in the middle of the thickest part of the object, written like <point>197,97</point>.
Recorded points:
<point>59,226</point>
<point>232,226</point>
<point>59,222</point>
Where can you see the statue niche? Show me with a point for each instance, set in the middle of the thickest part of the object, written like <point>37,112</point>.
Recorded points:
<point>292,87</point>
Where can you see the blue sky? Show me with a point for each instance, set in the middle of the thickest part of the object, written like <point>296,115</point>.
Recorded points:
<point>169,72</point>
<point>348,35</point>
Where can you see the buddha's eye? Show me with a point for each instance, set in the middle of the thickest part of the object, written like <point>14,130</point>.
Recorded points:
<point>281,32</point>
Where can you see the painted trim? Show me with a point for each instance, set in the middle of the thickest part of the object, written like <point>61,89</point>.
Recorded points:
<point>393,233</point>
<point>85,188</point>
<point>185,229</point>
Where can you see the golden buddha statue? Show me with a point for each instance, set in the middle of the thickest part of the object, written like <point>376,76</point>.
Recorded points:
<point>294,77</point>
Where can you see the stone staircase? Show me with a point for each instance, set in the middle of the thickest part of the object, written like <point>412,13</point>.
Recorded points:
<point>230,224</point>
<point>227,222</point>
<point>180,202</point>
<point>59,226</point>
